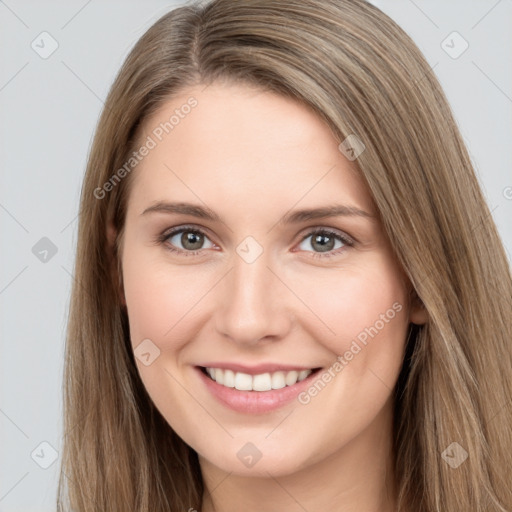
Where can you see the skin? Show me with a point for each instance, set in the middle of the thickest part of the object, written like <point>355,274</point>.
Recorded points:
<point>252,156</point>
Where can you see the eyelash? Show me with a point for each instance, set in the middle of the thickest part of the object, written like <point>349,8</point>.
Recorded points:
<point>347,242</point>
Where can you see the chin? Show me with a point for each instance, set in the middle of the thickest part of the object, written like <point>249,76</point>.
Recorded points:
<point>254,462</point>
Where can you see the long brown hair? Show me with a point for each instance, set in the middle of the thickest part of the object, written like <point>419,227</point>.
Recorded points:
<point>363,75</point>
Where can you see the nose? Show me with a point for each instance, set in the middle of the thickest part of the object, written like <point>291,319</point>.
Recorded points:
<point>254,306</point>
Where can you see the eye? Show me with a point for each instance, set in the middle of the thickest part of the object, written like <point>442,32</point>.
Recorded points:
<point>324,241</point>
<point>185,240</point>
<point>189,241</point>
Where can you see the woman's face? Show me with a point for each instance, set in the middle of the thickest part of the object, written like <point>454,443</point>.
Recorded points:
<point>249,287</point>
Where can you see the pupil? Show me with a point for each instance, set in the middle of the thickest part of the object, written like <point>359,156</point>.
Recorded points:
<point>324,247</point>
<point>195,239</point>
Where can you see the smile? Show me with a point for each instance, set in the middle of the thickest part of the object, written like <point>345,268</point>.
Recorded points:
<point>260,382</point>
<point>258,392</point>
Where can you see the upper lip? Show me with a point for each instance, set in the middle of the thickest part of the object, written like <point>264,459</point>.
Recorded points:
<point>257,369</point>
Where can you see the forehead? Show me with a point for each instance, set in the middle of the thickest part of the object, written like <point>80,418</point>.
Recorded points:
<point>250,146</point>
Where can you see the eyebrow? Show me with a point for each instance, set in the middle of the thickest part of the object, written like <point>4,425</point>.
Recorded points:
<point>294,217</point>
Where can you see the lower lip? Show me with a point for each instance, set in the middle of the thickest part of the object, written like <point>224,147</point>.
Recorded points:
<point>255,402</point>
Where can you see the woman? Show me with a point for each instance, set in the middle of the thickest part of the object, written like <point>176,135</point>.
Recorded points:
<point>337,335</point>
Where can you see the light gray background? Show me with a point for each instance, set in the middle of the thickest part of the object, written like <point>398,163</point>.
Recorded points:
<point>49,109</point>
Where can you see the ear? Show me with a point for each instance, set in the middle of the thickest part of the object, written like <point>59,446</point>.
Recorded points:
<point>115,262</point>
<point>417,312</point>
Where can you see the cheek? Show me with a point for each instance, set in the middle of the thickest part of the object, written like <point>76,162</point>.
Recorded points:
<point>367,311</point>
<point>357,303</point>
<point>158,297</point>
<point>161,301</point>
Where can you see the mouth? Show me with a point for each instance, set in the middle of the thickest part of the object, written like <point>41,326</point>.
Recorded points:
<point>260,382</point>
<point>255,393</point>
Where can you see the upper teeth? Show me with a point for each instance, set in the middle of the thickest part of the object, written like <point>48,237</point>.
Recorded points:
<point>260,382</point>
